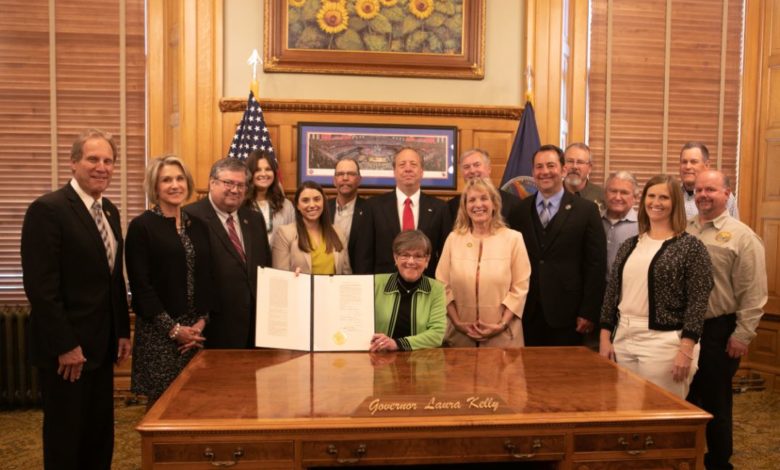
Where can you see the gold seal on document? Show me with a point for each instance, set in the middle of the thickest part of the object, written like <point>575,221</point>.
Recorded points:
<point>723,236</point>
<point>339,338</point>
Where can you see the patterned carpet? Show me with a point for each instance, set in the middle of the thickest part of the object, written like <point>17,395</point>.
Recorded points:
<point>756,435</point>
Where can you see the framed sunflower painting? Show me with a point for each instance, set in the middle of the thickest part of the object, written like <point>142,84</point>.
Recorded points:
<point>322,145</point>
<point>413,38</point>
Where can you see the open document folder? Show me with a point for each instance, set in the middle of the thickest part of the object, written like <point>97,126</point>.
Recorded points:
<point>313,312</point>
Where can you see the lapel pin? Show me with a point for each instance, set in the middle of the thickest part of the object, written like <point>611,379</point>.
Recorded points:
<point>568,207</point>
<point>108,213</point>
<point>246,222</point>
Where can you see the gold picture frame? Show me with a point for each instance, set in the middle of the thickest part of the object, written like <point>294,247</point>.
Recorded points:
<point>410,38</point>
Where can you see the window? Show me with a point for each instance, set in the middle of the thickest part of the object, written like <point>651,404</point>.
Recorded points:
<point>61,71</point>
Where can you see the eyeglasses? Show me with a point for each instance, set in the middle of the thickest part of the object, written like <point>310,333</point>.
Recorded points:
<point>410,257</point>
<point>231,185</point>
<point>341,174</point>
<point>577,162</point>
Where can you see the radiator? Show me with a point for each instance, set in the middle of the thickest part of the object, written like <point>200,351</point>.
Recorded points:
<point>19,385</point>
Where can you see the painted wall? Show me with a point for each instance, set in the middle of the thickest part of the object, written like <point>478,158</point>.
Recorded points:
<point>502,85</point>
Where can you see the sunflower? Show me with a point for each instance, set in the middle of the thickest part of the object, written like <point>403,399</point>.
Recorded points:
<point>388,3</point>
<point>421,8</point>
<point>367,9</point>
<point>296,3</point>
<point>332,18</point>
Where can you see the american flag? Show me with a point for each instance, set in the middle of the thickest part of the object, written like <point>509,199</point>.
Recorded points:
<point>251,132</point>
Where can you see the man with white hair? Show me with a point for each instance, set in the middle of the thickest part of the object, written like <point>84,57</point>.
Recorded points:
<point>475,163</point>
<point>619,217</point>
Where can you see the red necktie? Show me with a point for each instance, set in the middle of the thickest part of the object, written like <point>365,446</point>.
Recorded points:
<point>408,216</point>
<point>233,236</point>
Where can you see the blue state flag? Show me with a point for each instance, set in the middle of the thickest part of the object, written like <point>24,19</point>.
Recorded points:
<point>517,174</point>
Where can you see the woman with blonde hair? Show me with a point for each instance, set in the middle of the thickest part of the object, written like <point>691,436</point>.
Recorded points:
<point>485,270</point>
<point>659,286</point>
<point>168,266</point>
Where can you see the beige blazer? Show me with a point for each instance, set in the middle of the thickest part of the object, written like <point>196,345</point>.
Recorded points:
<point>286,254</point>
<point>504,275</point>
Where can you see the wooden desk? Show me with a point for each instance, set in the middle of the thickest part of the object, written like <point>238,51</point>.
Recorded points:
<point>289,410</point>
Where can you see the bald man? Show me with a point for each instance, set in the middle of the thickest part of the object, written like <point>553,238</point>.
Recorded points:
<point>734,309</point>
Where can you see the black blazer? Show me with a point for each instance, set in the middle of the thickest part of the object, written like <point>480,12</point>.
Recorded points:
<point>356,216</point>
<point>75,299</point>
<point>232,323</point>
<point>379,225</point>
<point>157,266</point>
<point>568,260</point>
<point>509,204</point>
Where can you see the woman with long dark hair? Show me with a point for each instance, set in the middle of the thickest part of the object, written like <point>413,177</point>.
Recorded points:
<point>265,193</point>
<point>311,244</point>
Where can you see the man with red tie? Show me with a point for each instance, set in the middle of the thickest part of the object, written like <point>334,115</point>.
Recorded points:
<point>239,244</point>
<point>404,208</point>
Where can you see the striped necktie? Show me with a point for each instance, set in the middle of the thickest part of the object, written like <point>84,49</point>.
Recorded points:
<point>544,216</point>
<point>97,214</point>
<point>233,236</point>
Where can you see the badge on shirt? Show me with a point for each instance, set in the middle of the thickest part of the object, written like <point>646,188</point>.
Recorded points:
<point>723,236</point>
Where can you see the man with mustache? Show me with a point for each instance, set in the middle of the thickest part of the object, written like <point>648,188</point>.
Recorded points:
<point>347,207</point>
<point>578,164</point>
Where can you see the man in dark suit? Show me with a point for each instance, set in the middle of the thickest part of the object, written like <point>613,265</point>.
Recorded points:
<point>72,263</point>
<point>346,208</point>
<point>567,249</point>
<point>239,244</point>
<point>475,163</point>
<point>404,208</point>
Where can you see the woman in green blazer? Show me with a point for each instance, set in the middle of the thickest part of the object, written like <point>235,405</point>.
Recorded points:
<point>409,308</point>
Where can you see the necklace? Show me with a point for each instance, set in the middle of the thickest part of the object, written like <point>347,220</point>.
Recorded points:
<point>406,289</point>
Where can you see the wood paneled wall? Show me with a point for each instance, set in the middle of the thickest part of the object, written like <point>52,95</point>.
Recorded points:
<point>759,169</point>
<point>489,128</point>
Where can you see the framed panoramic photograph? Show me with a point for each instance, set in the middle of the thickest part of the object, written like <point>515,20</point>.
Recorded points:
<point>321,146</point>
<point>415,38</point>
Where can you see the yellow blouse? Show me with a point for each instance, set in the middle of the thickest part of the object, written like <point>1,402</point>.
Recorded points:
<point>322,262</point>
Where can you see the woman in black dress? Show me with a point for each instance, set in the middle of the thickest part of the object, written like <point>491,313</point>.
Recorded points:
<point>168,269</point>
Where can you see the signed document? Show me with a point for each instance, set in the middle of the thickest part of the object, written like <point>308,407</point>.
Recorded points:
<point>314,313</point>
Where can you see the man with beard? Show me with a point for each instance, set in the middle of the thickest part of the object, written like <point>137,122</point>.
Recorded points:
<point>346,208</point>
<point>578,164</point>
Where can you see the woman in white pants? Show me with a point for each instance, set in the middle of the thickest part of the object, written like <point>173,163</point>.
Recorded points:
<point>657,293</point>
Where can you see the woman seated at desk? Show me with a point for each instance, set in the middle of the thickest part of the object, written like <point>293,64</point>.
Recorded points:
<point>485,271</point>
<point>311,244</point>
<point>409,308</point>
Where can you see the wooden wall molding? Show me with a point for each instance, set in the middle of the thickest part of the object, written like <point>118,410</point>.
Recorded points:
<point>227,105</point>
